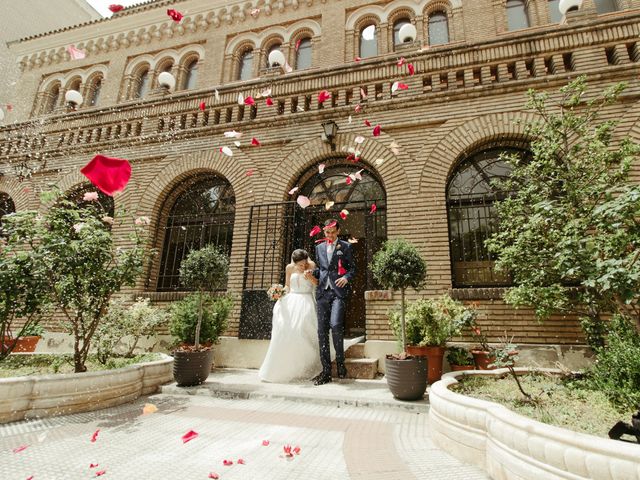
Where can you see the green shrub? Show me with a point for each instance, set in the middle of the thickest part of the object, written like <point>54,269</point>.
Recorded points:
<point>616,371</point>
<point>123,327</point>
<point>184,317</point>
<point>459,356</point>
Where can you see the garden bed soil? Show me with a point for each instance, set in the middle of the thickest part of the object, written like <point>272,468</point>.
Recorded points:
<point>558,401</point>
<point>46,364</point>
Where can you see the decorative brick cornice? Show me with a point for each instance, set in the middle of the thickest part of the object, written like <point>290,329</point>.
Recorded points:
<point>229,14</point>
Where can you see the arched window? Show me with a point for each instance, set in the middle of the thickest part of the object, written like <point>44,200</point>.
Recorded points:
<point>245,72</point>
<point>606,6</point>
<point>52,99</point>
<point>75,85</point>
<point>517,16</point>
<point>6,207</point>
<point>396,30</point>
<point>471,195</point>
<point>143,81</point>
<point>554,11</point>
<point>202,214</point>
<point>191,75</point>
<point>303,55</point>
<point>94,90</point>
<point>369,41</point>
<point>438,26</point>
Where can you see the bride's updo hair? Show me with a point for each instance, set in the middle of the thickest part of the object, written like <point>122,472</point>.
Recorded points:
<point>298,255</point>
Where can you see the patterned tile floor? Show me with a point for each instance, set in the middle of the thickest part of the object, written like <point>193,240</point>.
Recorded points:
<point>336,442</point>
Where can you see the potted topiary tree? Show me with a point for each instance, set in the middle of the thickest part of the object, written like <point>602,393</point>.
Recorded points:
<point>199,316</point>
<point>398,266</point>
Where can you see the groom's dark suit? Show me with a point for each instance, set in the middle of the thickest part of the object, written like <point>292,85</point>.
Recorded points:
<point>331,299</point>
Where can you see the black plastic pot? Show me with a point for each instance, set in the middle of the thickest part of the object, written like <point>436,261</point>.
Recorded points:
<point>191,368</point>
<point>407,379</point>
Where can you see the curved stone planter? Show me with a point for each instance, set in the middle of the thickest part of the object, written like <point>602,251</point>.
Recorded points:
<point>510,446</point>
<point>46,395</point>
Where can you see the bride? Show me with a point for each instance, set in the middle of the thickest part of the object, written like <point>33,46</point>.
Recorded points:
<point>294,352</point>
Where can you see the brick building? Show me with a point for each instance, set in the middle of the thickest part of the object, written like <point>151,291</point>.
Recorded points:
<point>428,172</point>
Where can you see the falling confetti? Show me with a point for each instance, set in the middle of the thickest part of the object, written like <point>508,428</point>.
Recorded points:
<point>76,53</point>
<point>303,201</point>
<point>287,451</point>
<point>175,15</point>
<point>323,96</point>
<point>110,175</point>
<point>190,435</point>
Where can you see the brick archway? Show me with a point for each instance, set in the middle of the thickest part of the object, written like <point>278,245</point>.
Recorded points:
<point>21,192</point>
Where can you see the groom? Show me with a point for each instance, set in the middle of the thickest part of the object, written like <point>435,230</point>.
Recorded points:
<point>335,271</point>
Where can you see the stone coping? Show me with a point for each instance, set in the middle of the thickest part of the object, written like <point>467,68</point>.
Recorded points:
<point>510,446</point>
<point>61,394</point>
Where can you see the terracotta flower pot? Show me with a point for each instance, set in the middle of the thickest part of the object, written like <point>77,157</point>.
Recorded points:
<point>434,356</point>
<point>483,359</point>
<point>26,344</point>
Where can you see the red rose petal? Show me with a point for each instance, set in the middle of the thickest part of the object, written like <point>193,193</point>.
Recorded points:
<point>376,131</point>
<point>298,44</point>
<point>93,465</point>
<point>109,174</point>
<point>411,68</point>
<point>287,450</point>
<point>215,476</point>
<point>255,142</point>
<point>367,123</point>
<point>265,443</point>
<point>249,101</point>
<point>323,96</point>
<point>357,59</point>
<point>94,437</point>
<point>240,461</point>
<point>249,172</point>
<point>190,435</point>
<point>269,102</point>
<point>100,473</point>
<point>401,61</point>
<point>358,108</point>
<point>297,449</point>
<point>227,463</point>
<point>314,231</point>
<point>373,208</point>
<point>331,225</point>
<point>175,15</point>
<point>203,106</point>
<point>30,478</point>
<point>349,181</point>
<point>115,8</point>
<point>20,448</point>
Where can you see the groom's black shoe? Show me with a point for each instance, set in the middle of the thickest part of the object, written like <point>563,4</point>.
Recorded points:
<point>342,371</point>
<point>321,379</point>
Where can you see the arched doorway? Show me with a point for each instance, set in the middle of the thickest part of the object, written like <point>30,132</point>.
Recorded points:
<point>365,231</point>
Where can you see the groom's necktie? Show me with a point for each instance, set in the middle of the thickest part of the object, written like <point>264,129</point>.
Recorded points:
<point>330,248</point>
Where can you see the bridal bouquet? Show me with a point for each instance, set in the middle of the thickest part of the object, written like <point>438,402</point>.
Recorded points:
<point>275,292</point>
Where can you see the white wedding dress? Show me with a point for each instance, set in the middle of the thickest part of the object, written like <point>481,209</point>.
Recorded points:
<point>294,352</point>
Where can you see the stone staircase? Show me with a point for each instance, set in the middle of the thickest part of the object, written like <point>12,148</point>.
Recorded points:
<point>357,365</point>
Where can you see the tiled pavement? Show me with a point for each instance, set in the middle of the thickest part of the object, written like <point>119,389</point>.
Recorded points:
<point>337,442</point>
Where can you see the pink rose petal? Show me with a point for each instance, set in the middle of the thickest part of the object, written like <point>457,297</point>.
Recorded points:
<point>373,208</point>
<point>249,101</point>
<point>323,96</point>
<point>321,168</point>
<point>20,448</point>
<point>94,437</point>
<point>227,463</point>
<point>314,231</point>
<point>303,201</point>
<point>265,443</point>
<point>293,190</point>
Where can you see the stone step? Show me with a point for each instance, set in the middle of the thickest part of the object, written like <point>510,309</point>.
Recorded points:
<point>355,351</point>
<point>360,368</point>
